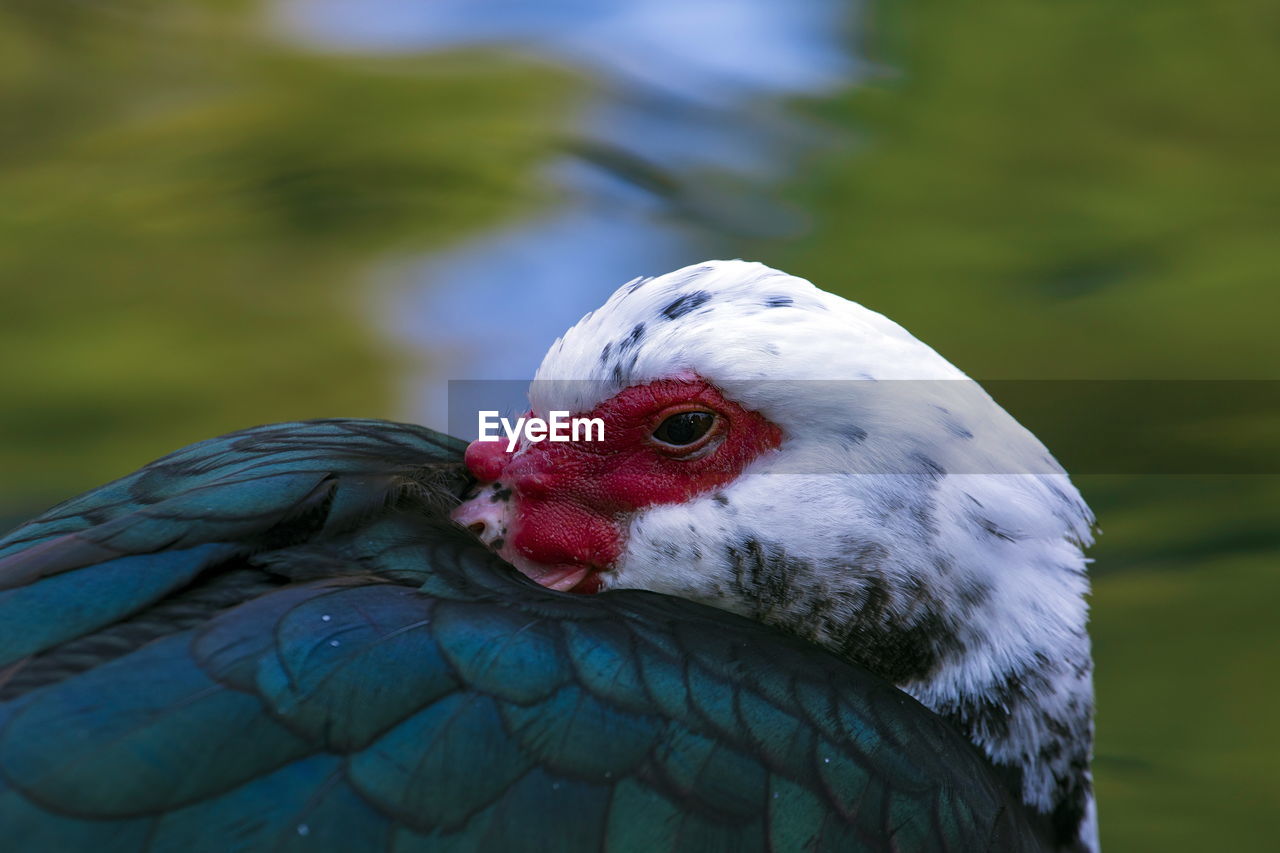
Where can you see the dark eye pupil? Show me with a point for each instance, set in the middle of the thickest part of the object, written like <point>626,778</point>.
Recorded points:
<point>684,428</point>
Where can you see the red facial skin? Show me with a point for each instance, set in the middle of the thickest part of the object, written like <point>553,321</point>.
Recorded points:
<point>570,500</point>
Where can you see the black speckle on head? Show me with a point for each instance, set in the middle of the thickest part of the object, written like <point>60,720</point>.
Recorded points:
<point>974,593</point>
<point>927,466</point>
<point>1059,494</point>
<point>638,283</point>
<point>864,555</point>
<point>992,529</point>
<point>677,308</point>
<point>604,353</point>
<point>921,514</point>
<point>853,434</point>
<point>1084,666</point>
<point>720,499</point>
<point>917,512</point>
<point>763,575</point>
<point>1051,751</point>
<point>632,339</point>
<point>956,429</point>
<point>779,302</point>
<point>1066,509</point>
<point>902,641</point>
<point>617,374</point>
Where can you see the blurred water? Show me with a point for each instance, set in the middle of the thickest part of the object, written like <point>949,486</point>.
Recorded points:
<point>679,147</point>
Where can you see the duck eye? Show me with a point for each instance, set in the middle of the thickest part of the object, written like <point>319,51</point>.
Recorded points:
<point>684,428</point>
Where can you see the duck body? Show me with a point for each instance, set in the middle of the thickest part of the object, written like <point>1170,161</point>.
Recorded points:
<point>277,640</point>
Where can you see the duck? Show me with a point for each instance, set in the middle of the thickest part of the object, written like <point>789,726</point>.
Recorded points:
<point>807,587</point>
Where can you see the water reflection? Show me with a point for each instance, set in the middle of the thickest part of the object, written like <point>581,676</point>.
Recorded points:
<point>678,148</point>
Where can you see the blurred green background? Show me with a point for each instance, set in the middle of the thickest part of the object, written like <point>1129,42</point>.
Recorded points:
<point>198,213</point>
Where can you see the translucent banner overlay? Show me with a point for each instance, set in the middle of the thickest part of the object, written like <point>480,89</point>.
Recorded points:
<point>1181,427</point>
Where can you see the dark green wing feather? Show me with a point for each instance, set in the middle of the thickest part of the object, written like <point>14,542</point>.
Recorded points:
<point>296,651</point>
<point>114,551</point>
